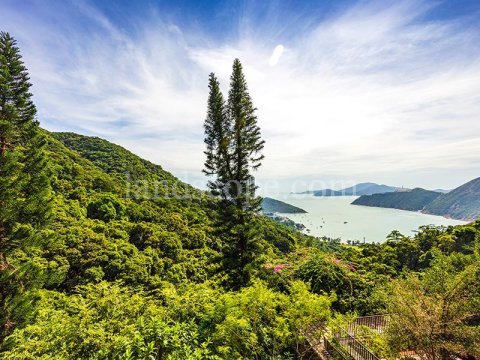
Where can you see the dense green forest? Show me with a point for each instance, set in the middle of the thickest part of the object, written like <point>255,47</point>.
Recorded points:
<point>104,255</point>
<point>114,277</point>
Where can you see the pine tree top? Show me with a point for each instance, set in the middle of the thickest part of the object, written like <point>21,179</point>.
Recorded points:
<point>17,110</point>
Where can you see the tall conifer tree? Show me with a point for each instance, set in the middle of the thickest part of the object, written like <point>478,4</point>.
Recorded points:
<point>25,190</point>
<point>247,142</point>
<point>234,146</point>
<point>217,138</point>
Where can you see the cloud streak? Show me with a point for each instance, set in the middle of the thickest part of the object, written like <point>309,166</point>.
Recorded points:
<point>372,92</point>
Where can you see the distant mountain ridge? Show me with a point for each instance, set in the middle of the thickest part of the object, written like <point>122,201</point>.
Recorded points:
<point>413,200</point>
<point>367,188</point>
<point>462,203</point>
<point>443,191</point>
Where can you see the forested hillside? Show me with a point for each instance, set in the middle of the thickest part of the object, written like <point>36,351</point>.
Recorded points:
<point>152,267</point>
<point>155,245</point>
<point>413,200</point>
<point>104,255</point>
<point>117,161</point>
<point>460,203</point>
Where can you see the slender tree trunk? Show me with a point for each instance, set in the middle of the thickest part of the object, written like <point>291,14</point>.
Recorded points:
<point>3,147</point>
<point>3,151</point>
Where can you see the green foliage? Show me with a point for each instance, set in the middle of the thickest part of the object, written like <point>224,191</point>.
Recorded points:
<point>107,256</point>
<point>140,177</point>
<point>260,323</point>
<point>247,143</point>
<point>168,252</point>
<point>234,146</point>
<point>103,321</point>
<point>149,244</point>
<point>437,315</point>
<point>217,140</point>
<point>24,171</point>
<point>377,342</point>
<point>25,191</point>
<point>106,208</point>
<point>327,274</point>
<point>111,321</point>
<point>17,111</point>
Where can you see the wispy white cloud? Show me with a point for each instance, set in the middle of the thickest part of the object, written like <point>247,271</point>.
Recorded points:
<point>276,54</point>
<point>373,92</point>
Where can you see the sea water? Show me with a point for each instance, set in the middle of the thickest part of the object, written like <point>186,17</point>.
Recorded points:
<point>335,217</point>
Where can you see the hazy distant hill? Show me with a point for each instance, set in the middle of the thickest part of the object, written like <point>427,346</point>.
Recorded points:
<point>443,191</point>
<point>277,206</point>
<point>327,192</point>
<point>367,188</point>
<point>413,200</point>
<point>460,203</point>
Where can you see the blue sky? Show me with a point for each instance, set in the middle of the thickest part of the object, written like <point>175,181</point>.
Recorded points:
<point>386,91</point>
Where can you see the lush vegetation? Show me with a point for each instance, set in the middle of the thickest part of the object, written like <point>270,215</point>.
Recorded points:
<point>98,260</point>
<point>413,200</point>
<point>135,275</point>
<point>460,203</point>
<point>437,313</point>
<point>277,206</point>
<point>234,151</point>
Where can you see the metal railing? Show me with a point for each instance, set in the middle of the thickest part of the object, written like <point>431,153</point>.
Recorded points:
<point>343,343</point>
<point>335,351</point>
<point>314,335</point>
<point>374,322</point>
<point>352,346</point>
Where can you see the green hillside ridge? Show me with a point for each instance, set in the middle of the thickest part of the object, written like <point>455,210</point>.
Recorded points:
<point>119,162</point>
<point>413,200</point>
<point>112,158</point>
<point>118,260</point>
<point>277,206</point>
<point>143,171</point>
<point>461,203</point>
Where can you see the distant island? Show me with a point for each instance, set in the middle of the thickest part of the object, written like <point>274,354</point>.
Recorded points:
<point>367,188</point>
<point>270,205</point>
<point>462,203</point>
